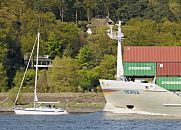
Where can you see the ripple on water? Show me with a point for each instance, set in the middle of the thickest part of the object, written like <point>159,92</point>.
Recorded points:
<point>89,121</point>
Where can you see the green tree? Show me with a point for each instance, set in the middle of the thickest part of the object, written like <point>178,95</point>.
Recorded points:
<point>3,52</point>
<point>10,49</point>
<point>105,6</point>
<point>3,79</point>
<point>42,84</point>
<point>84,57</point>
<point>17,8</point>
<point>41,5</point>
<point>54,46</point>
<point>89,79</point>
<point>107,67</point>
<point>63,76</point>
<point>140,32</point>
<point>28,83</point>
<point>148,32</point>
<point>69,37</point>
<point>100,44</point>
<point>77,6</point>
<point>175,7</point>
<point>89,5</point>
<point>61,5</point>
<point>32,21</point>
<point>17,79</point>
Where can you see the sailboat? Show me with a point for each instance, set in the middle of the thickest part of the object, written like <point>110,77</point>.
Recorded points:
<point>38,108</point>
<point>138,96</point>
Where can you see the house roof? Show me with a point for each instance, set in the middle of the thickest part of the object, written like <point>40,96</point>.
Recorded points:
<point>95,22</point>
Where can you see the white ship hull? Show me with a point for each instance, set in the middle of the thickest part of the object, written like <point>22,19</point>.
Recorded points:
<point>145,97</point>
<point>39,111</point>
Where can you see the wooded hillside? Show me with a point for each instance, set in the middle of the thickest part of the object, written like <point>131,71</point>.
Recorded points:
<point>79,59</point>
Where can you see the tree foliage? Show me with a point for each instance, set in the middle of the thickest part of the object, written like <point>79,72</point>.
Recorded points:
<point>100,44</point>
<point>54,45</point>
<point>148,32</point>
<point>28,83</point>
<point>107,67</point>
<point>62,24</point>
<point>84,57</point>
<point>63,76</point>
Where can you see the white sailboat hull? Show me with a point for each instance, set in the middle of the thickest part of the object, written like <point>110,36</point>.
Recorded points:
<point>39,111</point>
<point>141,97</point>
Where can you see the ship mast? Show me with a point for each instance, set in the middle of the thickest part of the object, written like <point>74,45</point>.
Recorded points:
<point>118,36</point>
<point>36,76</point>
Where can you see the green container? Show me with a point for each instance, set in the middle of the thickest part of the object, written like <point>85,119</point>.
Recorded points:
<point>170,83</point>
<point>139,68</point>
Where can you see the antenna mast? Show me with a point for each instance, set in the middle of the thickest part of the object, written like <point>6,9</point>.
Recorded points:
<point>118,36</point>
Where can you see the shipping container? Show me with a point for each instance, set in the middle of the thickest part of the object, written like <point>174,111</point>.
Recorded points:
<point>152,54</point>
<point>169,69</point>
<point>139,68</point>
<point>169,83</point>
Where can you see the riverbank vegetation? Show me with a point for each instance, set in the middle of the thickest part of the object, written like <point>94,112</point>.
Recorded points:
<point>73,102</point>
<point>79,59</point>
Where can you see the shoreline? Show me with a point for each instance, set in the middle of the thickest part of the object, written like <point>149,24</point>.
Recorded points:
<point>76,102</point>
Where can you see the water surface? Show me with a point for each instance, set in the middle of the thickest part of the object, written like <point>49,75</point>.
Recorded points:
<point>89,121</point>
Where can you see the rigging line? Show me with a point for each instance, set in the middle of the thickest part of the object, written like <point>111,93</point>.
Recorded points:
<point>67,106</point>
<point>4,100</point>
<point>25,72</point>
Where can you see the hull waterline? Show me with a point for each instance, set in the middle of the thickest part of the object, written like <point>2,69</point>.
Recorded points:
<point>39,111</point>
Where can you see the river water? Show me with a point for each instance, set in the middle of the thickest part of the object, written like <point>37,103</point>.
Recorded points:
<point>89,121</point>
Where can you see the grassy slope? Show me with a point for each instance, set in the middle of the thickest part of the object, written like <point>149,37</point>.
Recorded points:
<point>76,102</point>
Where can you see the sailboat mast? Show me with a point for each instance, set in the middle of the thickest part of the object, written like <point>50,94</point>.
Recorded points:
<point>36,75</point>
<point>120,70</point>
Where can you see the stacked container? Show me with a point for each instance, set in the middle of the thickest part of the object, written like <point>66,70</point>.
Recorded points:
<point>139,69</point>
<point>150,61</point>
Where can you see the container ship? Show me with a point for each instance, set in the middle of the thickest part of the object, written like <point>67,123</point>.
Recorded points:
<point>147,81</point>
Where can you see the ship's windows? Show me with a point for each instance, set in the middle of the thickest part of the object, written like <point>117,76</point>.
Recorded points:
<point>144,81</point>
<point>130,106</point>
